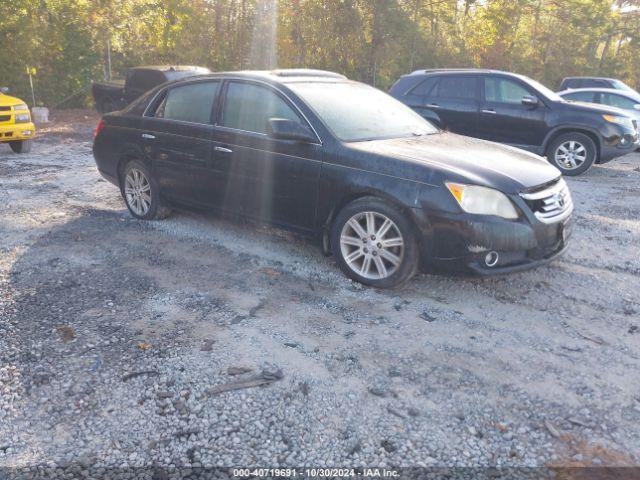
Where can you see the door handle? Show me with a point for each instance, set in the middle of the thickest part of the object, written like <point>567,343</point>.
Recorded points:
<point>433,105</point>
<point>223,149</point>
<point>489,111</point>
<point>148,136</point>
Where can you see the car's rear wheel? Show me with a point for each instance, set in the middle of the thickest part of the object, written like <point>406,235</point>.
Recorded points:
<point>21,146</point>
<point>374,243</point>
<point>141,192</point>
<point>572,153</point>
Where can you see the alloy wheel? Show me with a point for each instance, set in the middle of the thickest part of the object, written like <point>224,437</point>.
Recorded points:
<point>571,154</point>
<point>137,190</point>
<point>372,245</point>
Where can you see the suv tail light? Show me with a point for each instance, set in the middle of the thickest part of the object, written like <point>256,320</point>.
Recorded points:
<point>99,128</point>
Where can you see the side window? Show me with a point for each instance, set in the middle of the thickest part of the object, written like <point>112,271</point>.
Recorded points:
<point>424,87</point>
<point>618,101</point>
<point>450,86</point>
<point>503,90</point>
<point>189,103</point>
<point>249,107</point>
<point>600,84</point>
<point>579,96</point>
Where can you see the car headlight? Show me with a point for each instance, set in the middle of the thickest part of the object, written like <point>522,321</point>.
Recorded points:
<point>23,118</point>
<point>482,200</point>
<point>22,106</point>
<point>625,121</point>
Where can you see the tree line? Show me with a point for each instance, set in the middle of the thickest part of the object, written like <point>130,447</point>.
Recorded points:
<point>72,42</point>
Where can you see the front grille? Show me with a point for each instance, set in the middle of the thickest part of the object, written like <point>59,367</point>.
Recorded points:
<point>5,109</point>
<point>5,118</point>
<point>550,204</point>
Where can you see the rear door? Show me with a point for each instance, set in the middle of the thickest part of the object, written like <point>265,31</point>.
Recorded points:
<point>505,119</point>
<point>273,180</point>
<point>455,102</point>
<point>177,137</point>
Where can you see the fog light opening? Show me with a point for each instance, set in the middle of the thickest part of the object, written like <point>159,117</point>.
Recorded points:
<point>491,260</point>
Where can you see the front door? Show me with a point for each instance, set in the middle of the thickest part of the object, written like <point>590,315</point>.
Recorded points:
<point>505,119</point>
<point>178,140</point>
<point>269,179</point>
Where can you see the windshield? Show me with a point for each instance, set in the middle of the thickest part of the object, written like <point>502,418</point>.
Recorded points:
<point>356,112</point>
<point>620,85</point>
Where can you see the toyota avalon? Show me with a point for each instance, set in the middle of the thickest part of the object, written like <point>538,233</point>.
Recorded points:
<point>376,184</point>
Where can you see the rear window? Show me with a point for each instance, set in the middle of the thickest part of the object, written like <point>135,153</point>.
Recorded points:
<point>450,86</point>
<point>579,96</point>
<point>424,87</point>
<point>139,106</point>
<point>189,103</point>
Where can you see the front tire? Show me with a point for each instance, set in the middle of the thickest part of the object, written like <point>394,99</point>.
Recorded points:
<point>572,153</point>
<point>141,192</point>
<point>374,243</point>
<point>21,146</point>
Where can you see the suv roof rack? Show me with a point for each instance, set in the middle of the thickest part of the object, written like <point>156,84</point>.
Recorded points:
<point>443,70</point>
<point>306,72</point>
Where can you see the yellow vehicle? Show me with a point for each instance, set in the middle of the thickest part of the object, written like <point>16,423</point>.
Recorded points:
<point>16,127</point>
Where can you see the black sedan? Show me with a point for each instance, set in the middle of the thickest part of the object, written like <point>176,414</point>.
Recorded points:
<point>381,188</point>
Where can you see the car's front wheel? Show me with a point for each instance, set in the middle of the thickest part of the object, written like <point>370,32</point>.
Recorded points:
<point>374,243</point>
<point>141,192</point>
<point>21,146</point>
<point>572,153</point>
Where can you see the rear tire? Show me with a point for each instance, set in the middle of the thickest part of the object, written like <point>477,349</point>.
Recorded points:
<point>141,192</point>
<point>572,153</point>
<point>21,146</point>
<point>374,243</point>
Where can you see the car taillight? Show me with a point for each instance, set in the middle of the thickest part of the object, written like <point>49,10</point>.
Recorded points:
<point>99,128</point>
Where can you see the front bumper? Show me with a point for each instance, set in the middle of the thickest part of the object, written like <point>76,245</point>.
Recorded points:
<point>17,131</point>
<point>618,146</point>
<point>462,242</point>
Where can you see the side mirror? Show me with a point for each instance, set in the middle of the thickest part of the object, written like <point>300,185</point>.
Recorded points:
<point>285,129</point>
<point>4,90</point>
<point>530,101</point>
<point>637,106</point>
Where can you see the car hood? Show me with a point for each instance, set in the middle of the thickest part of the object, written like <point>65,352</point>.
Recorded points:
<point>459,158</point>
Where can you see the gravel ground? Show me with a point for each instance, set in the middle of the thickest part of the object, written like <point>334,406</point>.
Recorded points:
<point>125,343</point>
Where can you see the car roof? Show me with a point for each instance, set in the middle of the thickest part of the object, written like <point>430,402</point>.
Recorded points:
<point>623,93</point>
<point>588,78</point>
<point>281,76</point>
<point>171,68</point>
<point>459,70</point>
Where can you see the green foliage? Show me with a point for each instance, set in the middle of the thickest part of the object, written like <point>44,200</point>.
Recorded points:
<point>69,42</point>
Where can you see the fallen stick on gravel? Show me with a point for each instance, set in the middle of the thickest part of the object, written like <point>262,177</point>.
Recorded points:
<point>131,375</point>
<point>597,340</point>
<point>552,430</point>
<point>263,378</point>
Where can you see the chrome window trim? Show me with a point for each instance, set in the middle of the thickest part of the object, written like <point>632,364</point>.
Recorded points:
<point>231,78</point>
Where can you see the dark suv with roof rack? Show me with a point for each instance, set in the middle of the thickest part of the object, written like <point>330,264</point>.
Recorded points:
<point>516,110</point>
